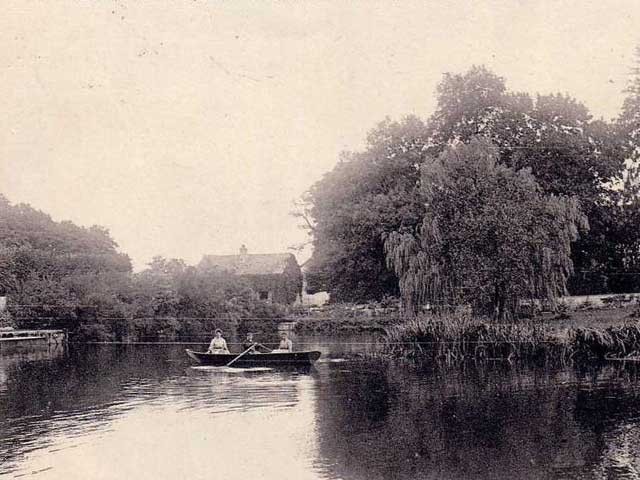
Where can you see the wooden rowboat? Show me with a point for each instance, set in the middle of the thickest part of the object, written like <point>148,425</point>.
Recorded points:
<point>256,359</point>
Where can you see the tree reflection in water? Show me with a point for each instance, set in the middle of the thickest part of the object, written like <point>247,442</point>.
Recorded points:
<point>487,421</point>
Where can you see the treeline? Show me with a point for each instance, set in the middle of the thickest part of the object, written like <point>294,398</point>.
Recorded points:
<point>59,275</point>
<point>497,196</point>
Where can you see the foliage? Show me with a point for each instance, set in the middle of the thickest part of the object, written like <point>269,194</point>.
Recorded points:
<point>567,151</point>
<point>346,318</point>
<point>55,271</point>
<point>59,275</point>
<point>626,217</point>
<point>365,196</point>
<point>553,135</point>
<point>456,337</point>
<point>374,192</point>
<point>490,237</point>
<point>616,341</point>
<point>629,120</point>
<point>172,299</point>
<point>5,319</point>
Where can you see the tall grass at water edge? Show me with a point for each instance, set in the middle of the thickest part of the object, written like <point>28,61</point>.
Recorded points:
<point>460,337</point>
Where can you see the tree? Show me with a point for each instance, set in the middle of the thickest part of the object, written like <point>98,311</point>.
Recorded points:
<point>57,273</point>
<point>349,210</point>
<point>489,237</point>
<point>567,151</point>
<point>629,120</point>
<point>554,135</point>
<point>374,192</point>
<point>628,206</point>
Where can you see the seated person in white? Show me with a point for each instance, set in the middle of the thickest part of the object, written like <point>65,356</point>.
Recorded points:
<point>285,346</point>
<point>218,344</point>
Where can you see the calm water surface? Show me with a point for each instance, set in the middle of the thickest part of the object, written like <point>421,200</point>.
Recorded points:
<point>142,412</point>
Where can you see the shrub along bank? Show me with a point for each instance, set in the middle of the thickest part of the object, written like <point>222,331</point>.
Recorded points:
<point>458,337</point>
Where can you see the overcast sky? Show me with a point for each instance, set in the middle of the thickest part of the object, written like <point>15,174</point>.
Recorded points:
<point>188,127</point>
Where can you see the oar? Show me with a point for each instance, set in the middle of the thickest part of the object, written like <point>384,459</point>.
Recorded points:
<point>266,348</point>
<point>233,361</point>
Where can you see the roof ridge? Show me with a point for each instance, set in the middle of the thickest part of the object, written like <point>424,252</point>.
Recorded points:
<point>250,263</point>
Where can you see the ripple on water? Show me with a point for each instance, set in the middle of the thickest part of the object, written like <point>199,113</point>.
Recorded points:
<point>204,368</point>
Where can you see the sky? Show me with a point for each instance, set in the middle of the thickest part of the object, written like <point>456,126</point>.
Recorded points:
<point>190,127</point>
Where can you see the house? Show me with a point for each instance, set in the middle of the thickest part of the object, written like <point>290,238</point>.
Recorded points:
<point>274,277</point>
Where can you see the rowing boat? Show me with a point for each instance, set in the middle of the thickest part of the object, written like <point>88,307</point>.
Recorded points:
<point>256,359</point>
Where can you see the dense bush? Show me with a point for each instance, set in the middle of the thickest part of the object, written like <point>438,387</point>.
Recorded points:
<point>59,275</point>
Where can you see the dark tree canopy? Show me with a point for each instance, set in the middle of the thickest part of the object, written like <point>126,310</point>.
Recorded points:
<point>50,268</point>
<point>489,237</point>
<point>625,220</point>
<point>373,192</point>
<point>60,275</point>
<point>365,196</point>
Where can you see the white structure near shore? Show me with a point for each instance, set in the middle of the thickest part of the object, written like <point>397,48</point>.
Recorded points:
<point>307,299</point>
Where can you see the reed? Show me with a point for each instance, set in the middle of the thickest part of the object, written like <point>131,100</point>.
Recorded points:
<point>457,337</point>
<point>615,341</point>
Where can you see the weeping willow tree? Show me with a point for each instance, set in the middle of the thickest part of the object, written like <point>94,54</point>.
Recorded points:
<point>489,237</point>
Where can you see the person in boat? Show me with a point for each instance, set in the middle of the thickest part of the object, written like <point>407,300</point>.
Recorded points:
<point>286,345</point>
<point>249,342</point>
<point>218,344</point>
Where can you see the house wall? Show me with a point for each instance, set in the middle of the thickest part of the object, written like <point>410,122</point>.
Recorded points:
<point>283,288</point>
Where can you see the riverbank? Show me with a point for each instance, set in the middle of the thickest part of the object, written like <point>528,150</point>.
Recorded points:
<point>459,337</point>
<point>12,341</point>
<point>338,319</point>
<point>344,325</point>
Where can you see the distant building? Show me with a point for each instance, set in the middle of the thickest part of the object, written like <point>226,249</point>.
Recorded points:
<point>274,277</point>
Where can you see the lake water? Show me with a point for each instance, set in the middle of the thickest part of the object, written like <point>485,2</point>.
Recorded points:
<point>142,412</point>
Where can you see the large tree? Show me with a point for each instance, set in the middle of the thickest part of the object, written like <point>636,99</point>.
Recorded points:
<point>366,195</point>
<point>373,192</point>
<point>627,219</point>
<point>490,236</point>
<point>57,273</point>
<point>567,151</point>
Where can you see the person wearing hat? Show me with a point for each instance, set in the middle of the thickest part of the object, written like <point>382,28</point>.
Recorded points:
<point>218,344</point>
<point>249,342</point>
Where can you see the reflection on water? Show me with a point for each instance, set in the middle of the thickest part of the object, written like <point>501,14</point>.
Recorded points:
<point>144,412</point>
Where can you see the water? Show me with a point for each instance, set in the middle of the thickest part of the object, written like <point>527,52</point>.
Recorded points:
<point>142,412</point>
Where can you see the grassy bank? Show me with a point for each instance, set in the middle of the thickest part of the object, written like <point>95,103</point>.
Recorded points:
<point>344,325</point>
<point>458,337</point>
<point>339,319</point>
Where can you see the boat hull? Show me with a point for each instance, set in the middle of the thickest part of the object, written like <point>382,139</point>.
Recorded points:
<point>256,359</point>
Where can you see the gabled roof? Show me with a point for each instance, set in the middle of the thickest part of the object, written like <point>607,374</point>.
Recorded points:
<point>249,264</point>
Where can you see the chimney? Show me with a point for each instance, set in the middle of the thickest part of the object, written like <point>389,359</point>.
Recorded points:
<point>243,250</point>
